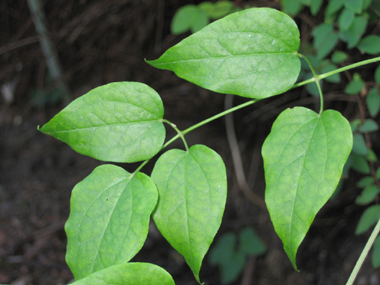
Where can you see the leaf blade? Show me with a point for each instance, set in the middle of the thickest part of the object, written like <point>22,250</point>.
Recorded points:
<point>192,185</point>
<point>302,173</point>
<point>109,219</point>
<point>97,124</point>
<point>244,54</point>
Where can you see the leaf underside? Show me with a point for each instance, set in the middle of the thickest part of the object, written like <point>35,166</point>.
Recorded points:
<point>119,122</point>
<point>252,53</point>
<point>304,157</point>
<point>127,274</point>
<point>192,190</point>
<point>109,219</point>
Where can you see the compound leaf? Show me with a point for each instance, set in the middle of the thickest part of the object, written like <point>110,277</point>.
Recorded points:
<point>304,157</point>
<point>119,122</point>
<point>109,219</point>
<point>129,273</point>
<point>251,53</point>
<point>192,195</point>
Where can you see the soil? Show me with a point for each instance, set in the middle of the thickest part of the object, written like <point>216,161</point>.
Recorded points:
<point>106,41</point>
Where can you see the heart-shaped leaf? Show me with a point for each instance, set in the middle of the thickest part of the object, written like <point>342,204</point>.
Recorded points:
<point>127,274</point>
<point>109,219</point>
<point>120,122</point>
<point>252,53</point>
<point>192,190</point>
<point>304,157</point>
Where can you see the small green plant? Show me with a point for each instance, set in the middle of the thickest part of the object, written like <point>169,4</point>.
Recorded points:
<point>253,54</point>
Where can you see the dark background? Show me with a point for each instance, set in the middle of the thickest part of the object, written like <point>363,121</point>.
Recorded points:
<point>106,41</point>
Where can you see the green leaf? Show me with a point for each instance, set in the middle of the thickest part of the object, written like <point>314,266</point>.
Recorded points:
<point>230,262</point>
<point>370,216</point>
<point>371,156</point>
<point>378,173</point>
<point>184,19</point>
<point>345,19</point>
<point>335,78</point>
<point>365,181</point>
<point>353,35</point>
<point>120,122</point>
<point>373,101</point>
<point>325,39</point>
<point>221,9</point>
<point>354,5</point>
<point>109,219</point>
<point>315,6</point>
<point>360,164</point>
<point>368,126</point>
<point>375,257</point>
<point>200,23</point>
<point>304,156</point>
<point>360,146</point>
<point>291,7</point>
<point>339,57</point>
<point>333,6</point>
<point>355,124</point>
<point>370,44</point>
<point>366,4</point>
<point>251,53</point>
<point>368,195</point>
<point>129,273</point>
<point>192,188</point>
<point>355,86</point>
<point>250,243</point>
<point>377,74</point>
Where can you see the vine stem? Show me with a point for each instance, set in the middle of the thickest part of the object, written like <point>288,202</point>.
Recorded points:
<point>364,254</point>
<point>179,133</point>
<point>316,78</point>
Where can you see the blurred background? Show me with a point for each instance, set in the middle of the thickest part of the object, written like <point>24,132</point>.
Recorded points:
<point>97,42</point>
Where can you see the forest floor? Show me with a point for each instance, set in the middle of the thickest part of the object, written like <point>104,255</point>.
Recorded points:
<point>106,41</point>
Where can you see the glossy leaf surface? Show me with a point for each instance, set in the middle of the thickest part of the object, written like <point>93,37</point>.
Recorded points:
<point>192,190</point>
<point>118,122</point>
<point>109,219</point>
<point>252,53</point>
<point>127,274</point>
<point>304,157</point>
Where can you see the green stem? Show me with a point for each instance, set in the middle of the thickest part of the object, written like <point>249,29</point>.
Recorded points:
<point>217,116</point>
<point>179,133</point>
<point>351,66</point>
<point>364,254</point>
<point>316,78</point>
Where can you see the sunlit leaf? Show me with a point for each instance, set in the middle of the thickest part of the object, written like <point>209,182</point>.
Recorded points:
<point>127,274</point>
<point>304,156</point>
<point>251,53</point>
<point>120,122</point>
<point>109,219</point>
<point>192,190</point>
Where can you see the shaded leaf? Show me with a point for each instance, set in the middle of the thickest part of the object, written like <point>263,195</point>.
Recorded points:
<point>230,262</point>
<point>339,57</point>
<point>345,19</point>
<point>304,156</point>
<point>368,126</point>
<point>373,101</point>
<point>315,6</point>
<point>370,44</point>
<point>120,122</point>
<point>333,6</point>
<point>353,35</point>
<point>360,146</point>
<point>251,53</point>
<point>325,39</point>
<point>371,156</point>
<point>109,219</point>
<point>360,164</point>
<point>355,124</point>
<point>129,273</point>
<point>250,242</point>
<point>368,195</point>
<point>365,181</point>
<point>355,86</point>
<point>354,5</point>
<point>192,190</point>
<point>291,7</point>
<point>375,257</point>
<point>369,217</point>
<point>200,23</point>
<point>184,19</point>
<point>335,78</point>
<point>377,74</point>
<point>221,9</point>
